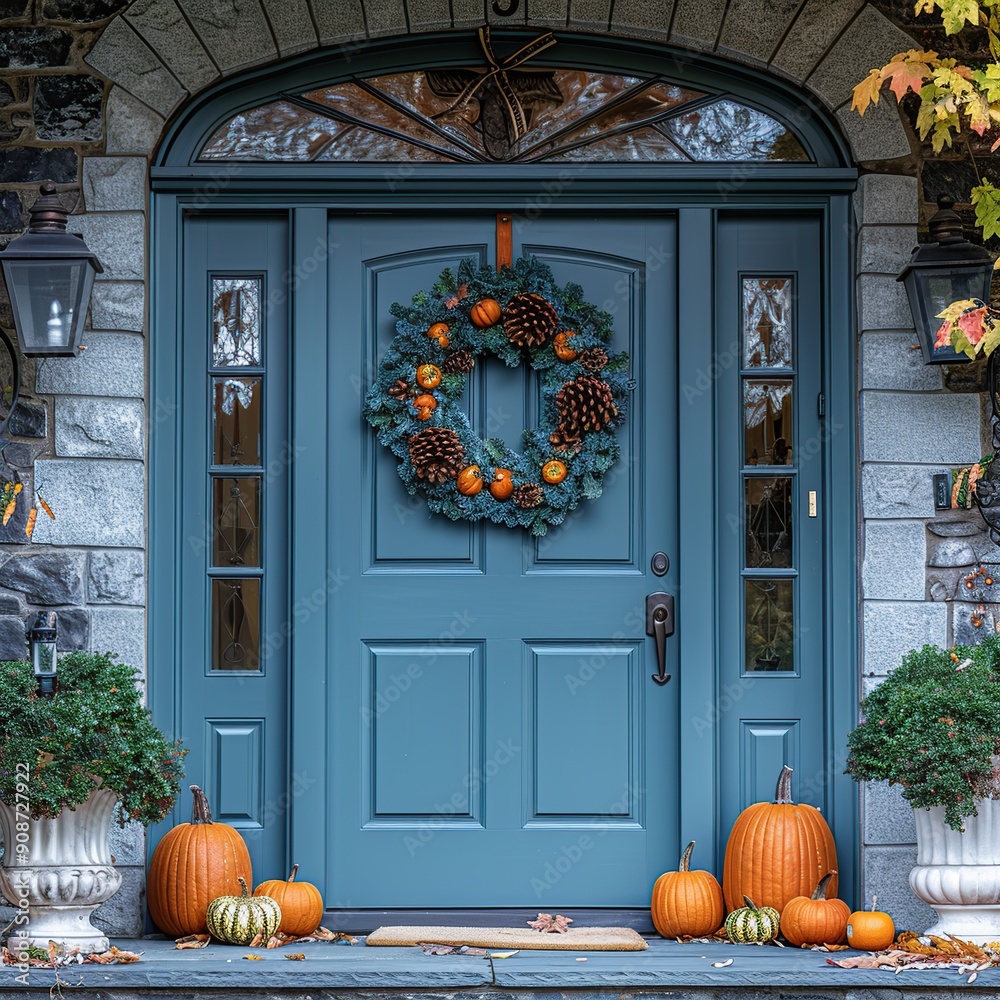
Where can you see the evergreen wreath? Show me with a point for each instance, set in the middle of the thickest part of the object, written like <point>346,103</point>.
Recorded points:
<point>517,314</point>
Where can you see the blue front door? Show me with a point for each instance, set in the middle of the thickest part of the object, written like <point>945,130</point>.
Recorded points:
<point>497,737</point>
<point>430,713</point>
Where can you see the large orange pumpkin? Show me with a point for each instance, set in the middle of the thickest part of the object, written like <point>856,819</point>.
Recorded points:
<point>300,902</point>
<point>777,851</point>
<point>815,919</point>
<point>193,864</point>
<point>687,902</point>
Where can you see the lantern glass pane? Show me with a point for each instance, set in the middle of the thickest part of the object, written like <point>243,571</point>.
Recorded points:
<point>46,296</point>
<point>941,288</point>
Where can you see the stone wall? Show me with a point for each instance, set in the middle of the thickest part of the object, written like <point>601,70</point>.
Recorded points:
<point>86,87</point>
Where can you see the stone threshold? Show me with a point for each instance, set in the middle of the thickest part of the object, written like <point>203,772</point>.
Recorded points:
<point>667,969</point>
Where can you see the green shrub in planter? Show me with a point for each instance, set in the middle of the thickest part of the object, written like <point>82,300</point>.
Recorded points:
<point>933,727</point>
<point>94,730</point>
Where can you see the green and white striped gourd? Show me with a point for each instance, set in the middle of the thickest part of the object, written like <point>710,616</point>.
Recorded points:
<point>239,919</point>
<point>752,924</point>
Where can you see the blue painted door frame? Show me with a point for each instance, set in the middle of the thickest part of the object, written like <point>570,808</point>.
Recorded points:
<point>701,815</point>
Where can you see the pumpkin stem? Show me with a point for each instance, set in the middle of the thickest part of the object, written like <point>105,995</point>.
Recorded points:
<point>243,882</point>
<point>783,793</point>
<point>685,865</point>
<point>291,877</point>
<point>200,811</point>
<point>749,902</point>
<point>820,892</point>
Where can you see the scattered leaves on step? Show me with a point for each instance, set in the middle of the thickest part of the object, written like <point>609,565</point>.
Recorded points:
<point>910,952</point>
<point>825,947</point>
<point>430,948</point>
<point>57,957</point>
<point>114,956</point>
<point>546,923</point>
<point>296,956</point>
<point>257,941</point>
<point>325,934</point>
<point>253,958</point>
<point>193,941</point>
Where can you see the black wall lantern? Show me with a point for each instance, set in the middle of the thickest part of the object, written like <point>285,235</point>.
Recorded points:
<point>49,275</point>
<point>948,270</point>
<point>41,638</point>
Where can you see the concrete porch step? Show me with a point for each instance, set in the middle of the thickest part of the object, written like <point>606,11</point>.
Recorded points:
<point>667,969</point>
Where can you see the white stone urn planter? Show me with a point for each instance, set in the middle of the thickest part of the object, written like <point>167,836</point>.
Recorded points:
<point>959,873</point>
<point>64,875</point>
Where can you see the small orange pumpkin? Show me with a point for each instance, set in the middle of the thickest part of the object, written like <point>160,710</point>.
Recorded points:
<point>485,313</point>
<point>815,919</point>
<point>870,930</point>
<point>436,330</point>
<point>425,401</point>
<point>428,376</point>
<point>502,484</point>
<point>469,481</point>
<point>687,902</point>
<point>560,344</point>
<point>554,472</point>
<point>300,902</point>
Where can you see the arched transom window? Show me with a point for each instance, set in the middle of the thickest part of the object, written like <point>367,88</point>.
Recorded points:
<point>463,115</point>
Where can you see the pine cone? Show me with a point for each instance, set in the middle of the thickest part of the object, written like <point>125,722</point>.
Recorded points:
<point>529,495</point>
<point>398,390</point>
<point>594,359</point>
<point>458,363</point>
<point>436,454</point>
<point>529,320</point>
<point>564,442</point>
<point>585,404</point>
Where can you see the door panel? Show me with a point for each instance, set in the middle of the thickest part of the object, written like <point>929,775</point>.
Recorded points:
<point>771,445</point>
<point>232,566</point>
<point>509,727</point>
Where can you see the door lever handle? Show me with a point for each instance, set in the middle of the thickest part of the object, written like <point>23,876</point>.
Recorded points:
<point>660,624</point>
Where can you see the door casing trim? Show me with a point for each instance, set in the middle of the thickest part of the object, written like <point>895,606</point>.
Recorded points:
<point>697,214</point>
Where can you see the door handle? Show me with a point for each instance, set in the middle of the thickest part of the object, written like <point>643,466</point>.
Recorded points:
<point>660,624</point>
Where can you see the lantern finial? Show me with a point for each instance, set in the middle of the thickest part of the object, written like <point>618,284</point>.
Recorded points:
<point>47,215</point>
<point>945,224</point>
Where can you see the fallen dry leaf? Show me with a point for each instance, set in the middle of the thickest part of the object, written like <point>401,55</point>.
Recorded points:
<point>546,923</point>
<point>253,958</point>
<point>296,957</point>
<point>193,941</point>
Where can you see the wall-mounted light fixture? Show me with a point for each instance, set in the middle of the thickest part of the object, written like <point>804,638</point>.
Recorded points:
<point>948,270</point>
<point>49,275</point>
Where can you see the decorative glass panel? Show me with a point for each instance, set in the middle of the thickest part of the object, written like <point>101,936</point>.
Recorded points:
<point>767,514</point>
<point>767,422</point>
<point>236,522</point>
<point>770,625</point>
<point>767,322</point>
<point>237,421</point>
<point>236,624</point>
<point>730,131</point>
<point>276,131</point>
<point>525,113</point>
<point>235,322</point>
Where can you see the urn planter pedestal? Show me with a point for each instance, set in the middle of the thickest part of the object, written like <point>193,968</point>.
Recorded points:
<point>62,876</point>
<point>959,873</point>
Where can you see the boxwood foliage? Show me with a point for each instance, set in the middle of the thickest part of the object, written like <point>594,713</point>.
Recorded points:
<point>93,731</point>
<point>933,727</point>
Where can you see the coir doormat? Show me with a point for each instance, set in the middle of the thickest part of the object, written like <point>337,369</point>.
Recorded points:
<point>574,939</point>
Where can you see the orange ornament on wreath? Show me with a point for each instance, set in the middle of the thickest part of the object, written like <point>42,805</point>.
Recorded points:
<point>554,472</point>
<point>428,376</point>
